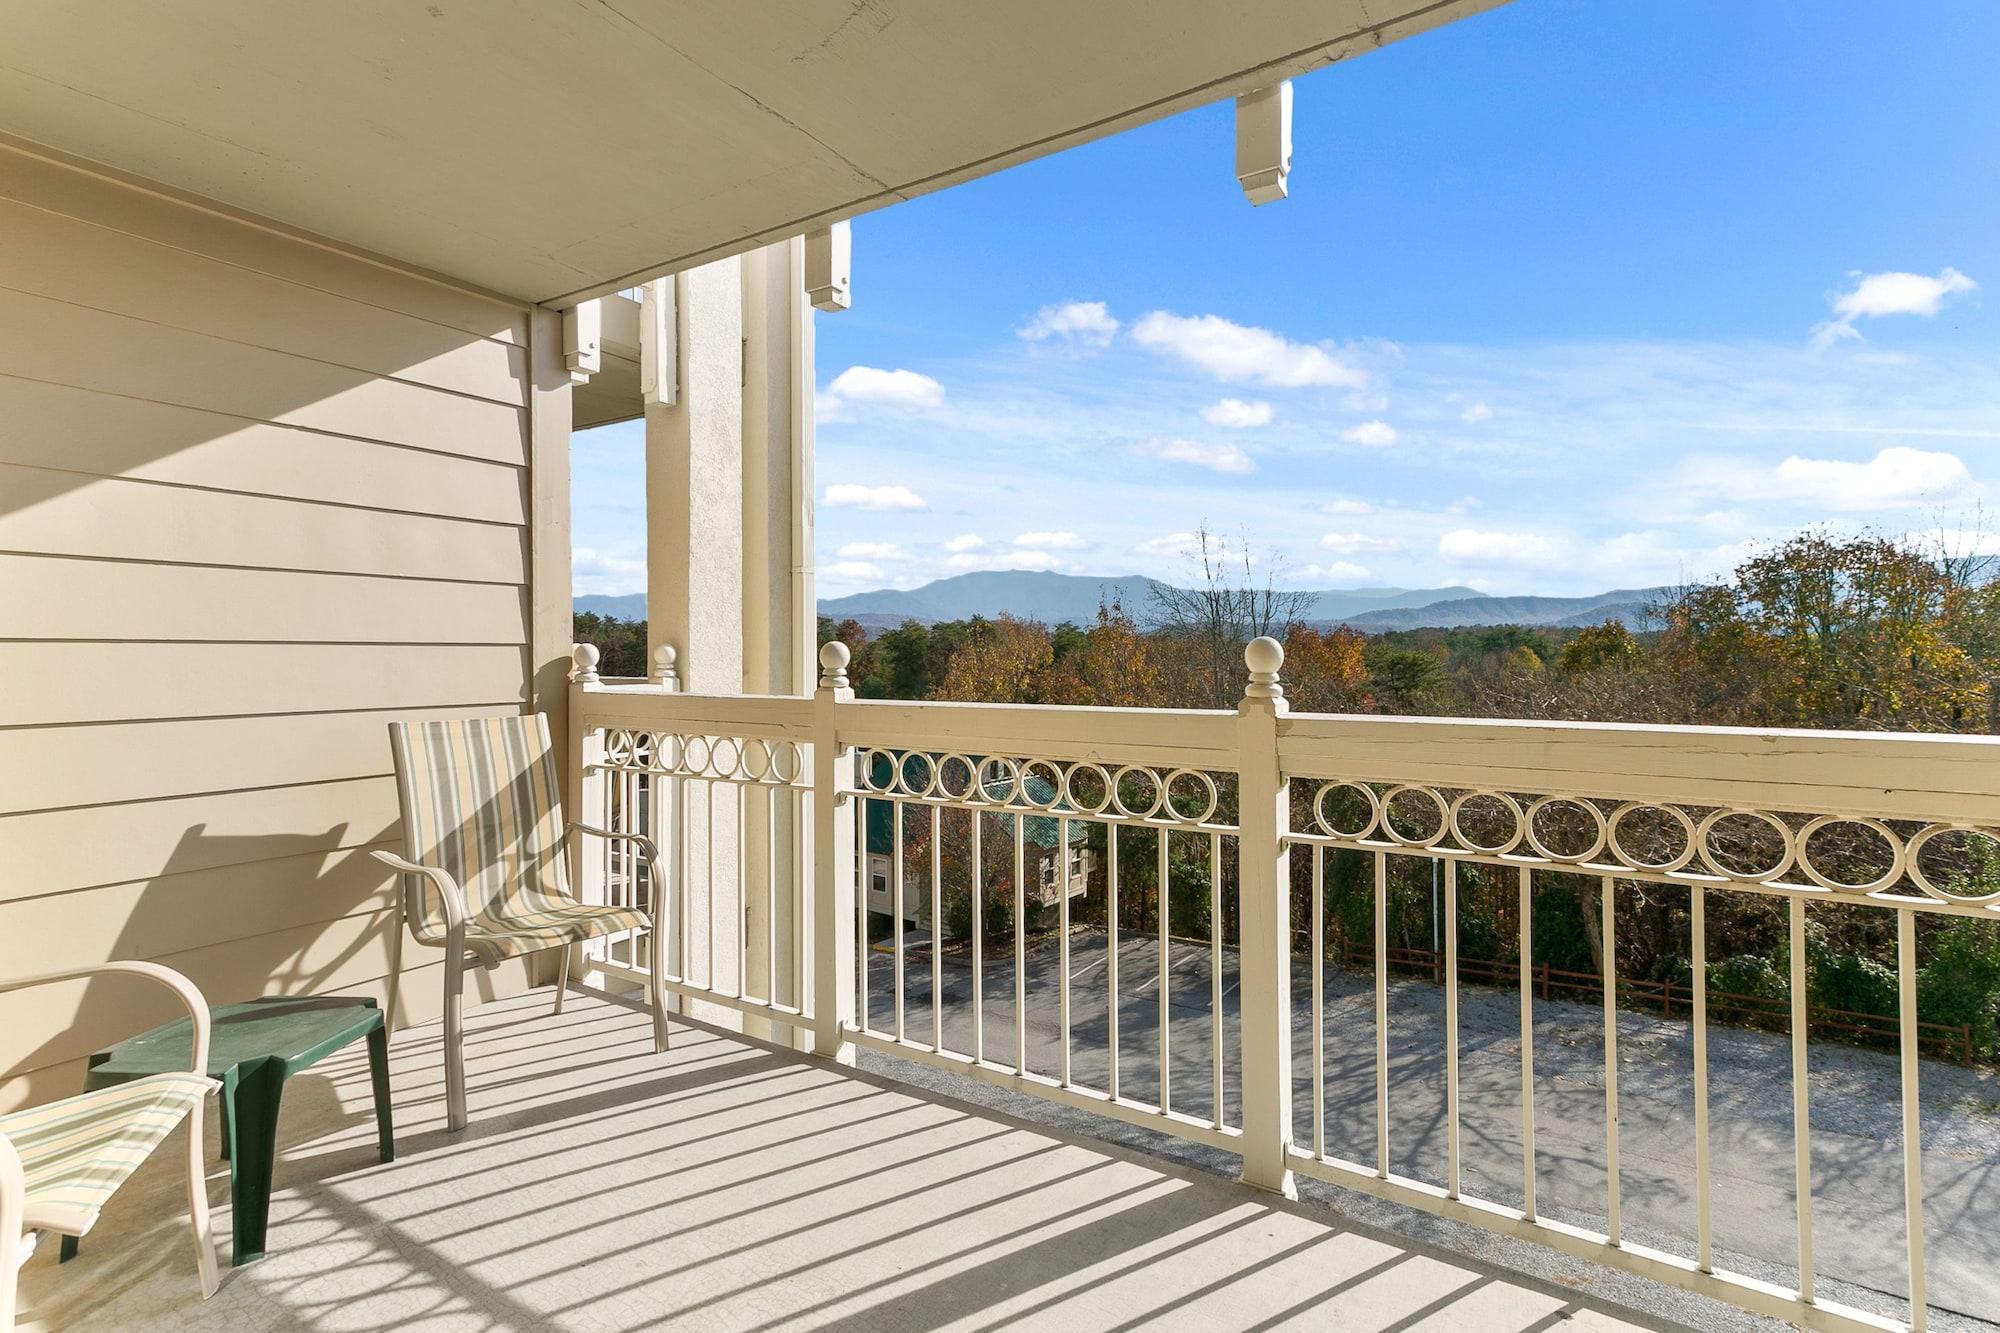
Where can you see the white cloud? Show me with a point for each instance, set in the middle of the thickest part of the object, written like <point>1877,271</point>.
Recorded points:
<point>1529,549</point>
<point>1894,477</point>
<point>1877,294</point>
<point>1477,413</point>
<point>1238,352</point>
<point>854,571</point>
<point>970,560</point>
<point>1897,475</point>
<point>1216,457</point>
<point>1076,323</point>
<point>965,541</point>
<point>1347,507</point>
<point>846,495</point>
<point>1051,541</point>
<point>1234,412</point>
<point>1173,544</point>
<point>594,571</point>
<point>889,388</point>
<point>872,551</point>
<point>1354,543</point>
<point>1372,433</point>
<point>1339,571</point>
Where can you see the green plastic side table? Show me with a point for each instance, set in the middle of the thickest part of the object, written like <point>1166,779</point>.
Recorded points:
<point>253,1048</point>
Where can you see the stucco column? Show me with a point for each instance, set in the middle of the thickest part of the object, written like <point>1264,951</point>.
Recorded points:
<point>778,611</point>
<point>694,583</point>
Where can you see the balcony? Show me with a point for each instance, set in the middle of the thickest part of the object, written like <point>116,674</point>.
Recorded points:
<point>737,1185</point>
<point>1222,1030</point>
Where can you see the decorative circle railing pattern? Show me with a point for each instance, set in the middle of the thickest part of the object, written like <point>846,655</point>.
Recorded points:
<point>740,759</point>
<point>1080,789</point>
<point>1851,855</point>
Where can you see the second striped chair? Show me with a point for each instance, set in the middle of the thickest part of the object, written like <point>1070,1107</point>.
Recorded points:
<point>486,875</point>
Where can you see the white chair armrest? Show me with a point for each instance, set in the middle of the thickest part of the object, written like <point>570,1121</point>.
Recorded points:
<point>184,989</point>
<point>441,880</point>
<point>647,849</point>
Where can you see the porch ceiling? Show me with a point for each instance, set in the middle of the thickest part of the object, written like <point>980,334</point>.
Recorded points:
<point>554,151</point>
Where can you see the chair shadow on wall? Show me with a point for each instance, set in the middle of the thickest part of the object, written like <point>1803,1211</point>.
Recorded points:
<point>276,948</point>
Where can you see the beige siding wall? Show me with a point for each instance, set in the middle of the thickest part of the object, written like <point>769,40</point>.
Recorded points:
<point>257,498</point>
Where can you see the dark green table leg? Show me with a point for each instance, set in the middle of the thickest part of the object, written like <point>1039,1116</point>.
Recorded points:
<point>378,1071</point>
<point>222,1124</point>
<point>68,1251</point>
<point>253,1133</point>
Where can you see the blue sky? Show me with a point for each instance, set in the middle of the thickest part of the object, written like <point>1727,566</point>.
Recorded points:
<point>1566,296</point>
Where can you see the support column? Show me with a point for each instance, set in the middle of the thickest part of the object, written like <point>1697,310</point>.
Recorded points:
<point>779,615</point>
<point>694,578</point>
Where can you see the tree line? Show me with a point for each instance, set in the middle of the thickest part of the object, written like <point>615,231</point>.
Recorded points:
<point>1823,631</point>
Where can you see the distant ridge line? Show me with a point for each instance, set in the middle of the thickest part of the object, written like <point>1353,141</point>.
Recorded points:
<point>1055,598</point>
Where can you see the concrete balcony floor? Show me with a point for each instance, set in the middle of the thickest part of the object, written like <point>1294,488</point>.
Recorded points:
<point>728,1185</point>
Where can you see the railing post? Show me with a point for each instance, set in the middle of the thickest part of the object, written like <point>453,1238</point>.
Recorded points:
<point>585,798</point>
<point>833,929</point>
<point>1264,930</point>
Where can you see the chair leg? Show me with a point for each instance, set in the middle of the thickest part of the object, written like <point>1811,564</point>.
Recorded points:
<point>204,1243</point>
<point>454,1041</point>
<point>562,976</point>
<point>658,991</point>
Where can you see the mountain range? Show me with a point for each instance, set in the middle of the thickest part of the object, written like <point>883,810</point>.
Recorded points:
<point>1054,598</point>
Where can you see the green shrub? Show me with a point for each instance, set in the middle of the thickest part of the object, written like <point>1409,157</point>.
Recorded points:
<point>1961,982</point>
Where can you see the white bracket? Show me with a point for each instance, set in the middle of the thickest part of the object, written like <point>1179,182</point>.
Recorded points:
<point>1264,142</point>
<point>659,343</point>
<point>583,341</point>
<point>829,261</point>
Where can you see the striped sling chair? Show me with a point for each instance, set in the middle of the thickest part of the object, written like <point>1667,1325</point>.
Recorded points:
<point>485,870</point>
<point>60,1163</point>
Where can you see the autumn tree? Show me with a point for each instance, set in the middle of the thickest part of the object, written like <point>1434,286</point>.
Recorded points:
<point>1108,665</point>
<point>999,661</point>
<point>1606,647</point>
<point>1823,632</point>
<point>1324,671</point>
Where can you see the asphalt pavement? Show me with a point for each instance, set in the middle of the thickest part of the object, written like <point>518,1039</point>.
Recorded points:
<point>1857,1185</point>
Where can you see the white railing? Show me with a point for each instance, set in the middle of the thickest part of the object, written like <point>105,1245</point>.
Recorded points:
<point>777,815</point>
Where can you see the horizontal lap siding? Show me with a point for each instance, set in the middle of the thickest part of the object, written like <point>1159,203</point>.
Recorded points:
<point>257,499</point>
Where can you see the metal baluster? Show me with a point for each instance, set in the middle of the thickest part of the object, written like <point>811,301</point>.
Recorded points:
<point>1451,1148</point>
<point>1801,1098</point>
<point>1318,1000</point>
<point>1698,930</point>
<point>1215,972</point>
<point>1165,1091</point>
<point>1913,1127</point>
<point>1382,1015</point>
<point>896,901</point>
<point>1062,945</point>
<point>771,898</point>
<point>683,874</point>
<point>1527,948</point>
<point>862,884</point>
<point>1111,951</point>
<point>1608,903</point>
<point>1020,951</point>
<point>937,931</point>
<point>741,907</point>
<point>708,855</point>
<point>978,938</point>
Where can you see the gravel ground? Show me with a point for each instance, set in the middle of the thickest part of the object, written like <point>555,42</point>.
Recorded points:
<point>1855,1107</point>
